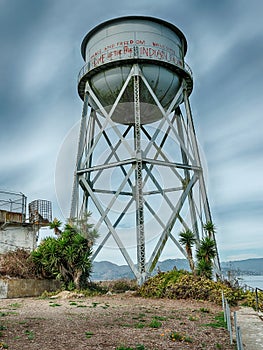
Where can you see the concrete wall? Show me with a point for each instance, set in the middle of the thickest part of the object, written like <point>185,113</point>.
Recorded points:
<point>19,288</point>
<point>14,236</point>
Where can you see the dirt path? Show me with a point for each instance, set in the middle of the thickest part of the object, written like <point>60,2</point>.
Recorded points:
<point>110,322</point>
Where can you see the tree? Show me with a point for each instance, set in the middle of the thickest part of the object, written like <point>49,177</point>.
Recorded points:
<point>187,239</point>
<point>205,253</point>
<point>55,225</point>
<point>204,269</point>
<point>66,257</point>
<point>210,229</point>
<point>83,227</point>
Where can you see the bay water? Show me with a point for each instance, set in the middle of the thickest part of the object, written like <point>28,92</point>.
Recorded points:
<point>251,281</point>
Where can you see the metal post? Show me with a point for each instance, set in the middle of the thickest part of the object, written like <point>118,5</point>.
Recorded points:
<point>75,197</point>
<point>239,339</point>
<point>138,180</point>
<point>228,321</point>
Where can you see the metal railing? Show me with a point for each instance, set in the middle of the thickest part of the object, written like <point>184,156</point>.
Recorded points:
<point>12,206</point>
<point>238,333</point>
<point>86,68</point>
<point>259,299</point>
<point>227,319</point>
<point>188,69</point>
<point>258,296</point>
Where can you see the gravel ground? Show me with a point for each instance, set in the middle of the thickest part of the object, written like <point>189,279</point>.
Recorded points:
<point>121,321</point>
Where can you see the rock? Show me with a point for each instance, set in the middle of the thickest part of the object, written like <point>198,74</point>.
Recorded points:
<point>65,294</point>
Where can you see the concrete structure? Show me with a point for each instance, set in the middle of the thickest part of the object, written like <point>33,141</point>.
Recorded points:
<point>15,235</point>
<point>15,230</point>
<point>19,288</point>
<point>138,166</point>
<point>251,325</point>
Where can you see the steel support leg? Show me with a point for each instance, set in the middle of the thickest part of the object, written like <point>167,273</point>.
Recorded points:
<point>139,182</point>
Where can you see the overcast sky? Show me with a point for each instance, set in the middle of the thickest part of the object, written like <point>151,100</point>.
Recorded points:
<point>39,105</point>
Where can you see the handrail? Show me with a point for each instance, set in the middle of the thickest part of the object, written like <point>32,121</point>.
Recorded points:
<point>84,70</point>
<point>188,69</point>
<point>257,298</point>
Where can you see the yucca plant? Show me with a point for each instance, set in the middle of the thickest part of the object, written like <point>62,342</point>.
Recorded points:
<point>187,239</point>
<point>210,228</point>
<point>66,257</point>
<point>205,253</point>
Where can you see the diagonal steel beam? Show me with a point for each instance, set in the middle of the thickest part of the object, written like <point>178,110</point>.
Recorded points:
<point>164,236</point>
<point>107,221</point>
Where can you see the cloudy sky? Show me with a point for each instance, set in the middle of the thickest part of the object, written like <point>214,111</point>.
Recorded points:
<point>39,105</point>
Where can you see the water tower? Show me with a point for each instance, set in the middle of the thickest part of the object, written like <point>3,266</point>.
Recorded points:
<point>138,166</point>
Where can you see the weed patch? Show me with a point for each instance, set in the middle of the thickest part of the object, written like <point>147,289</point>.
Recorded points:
<point>176,336</point>
<point>15,305</point>
<point>89,334</point>
<point>30,335</point>
<point>193,318</point>
<point>204,310</point>
<point>139,325</point>
<point>54,304</point>
<point>219,322</point>
<point>138,347</point>
<point>155,323</point>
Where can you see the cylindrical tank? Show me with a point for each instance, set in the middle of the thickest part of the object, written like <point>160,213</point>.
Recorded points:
<point>113,47</point>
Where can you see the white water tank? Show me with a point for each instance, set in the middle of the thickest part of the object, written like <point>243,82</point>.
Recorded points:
<point>113,47</point>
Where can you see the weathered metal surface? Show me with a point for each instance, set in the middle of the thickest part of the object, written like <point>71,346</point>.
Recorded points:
<point>111,49</point>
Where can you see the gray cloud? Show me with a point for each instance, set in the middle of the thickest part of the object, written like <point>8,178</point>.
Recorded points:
<point>39,63</point>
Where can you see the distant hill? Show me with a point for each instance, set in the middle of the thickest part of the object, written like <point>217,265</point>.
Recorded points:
<point>105,270</point>
<point>249,266</point>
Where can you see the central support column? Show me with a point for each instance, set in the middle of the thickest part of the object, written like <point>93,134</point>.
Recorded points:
<point>138,179</point>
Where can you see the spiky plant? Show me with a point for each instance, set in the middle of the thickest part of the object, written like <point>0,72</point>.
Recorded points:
<point>205,253</point>
<point>187,239</point>
<point>55,225</point>
<point>210,228</point>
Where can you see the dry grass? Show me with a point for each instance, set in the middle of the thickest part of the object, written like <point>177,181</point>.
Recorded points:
<point>110,322</point>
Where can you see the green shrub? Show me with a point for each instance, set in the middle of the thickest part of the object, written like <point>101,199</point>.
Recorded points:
<point>184,285</point>
<point>121,285</point>
<point>156,286</point>
<point>250,300</point>
<point>66,258</point>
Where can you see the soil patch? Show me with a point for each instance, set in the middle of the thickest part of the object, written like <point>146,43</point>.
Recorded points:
<point>109,322</point>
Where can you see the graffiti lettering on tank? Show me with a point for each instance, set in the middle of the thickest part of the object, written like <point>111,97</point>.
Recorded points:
<point>125,50</point>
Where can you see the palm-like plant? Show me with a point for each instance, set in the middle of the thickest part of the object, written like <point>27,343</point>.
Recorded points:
<point>187,239</point>
<point>206,249</point>
<point>205,253</point>
<point>66,257</point>
<point>204,269</point>
<point>82,226</point>
<point>210,229</point>
<point>55,225</point>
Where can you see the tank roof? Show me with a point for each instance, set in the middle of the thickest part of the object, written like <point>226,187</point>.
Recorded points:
<point>123,19</point>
